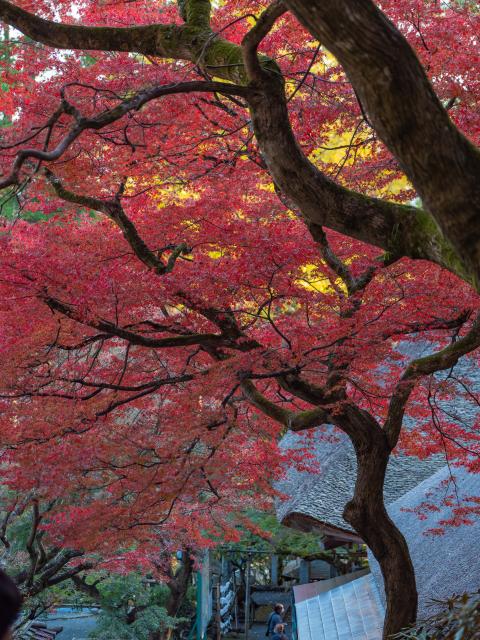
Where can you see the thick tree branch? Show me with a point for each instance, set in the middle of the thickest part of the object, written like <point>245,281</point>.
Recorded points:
<point>66,36</point>
<point>58,572</point>
<point>398,229</point>
<point>212,340</point>
<point>30,545</point>
<point>193,41</point>
<point>253,39</point>
<point>358,424</point>
<point>295,421</point>
<point>4,526</point>
<point>196,12</point>
<point>437,324</point>
<point>178,583</point>
<point>303,389</point>
<point>154,384</point>
<point>442,164</point>
<point>90,590</point>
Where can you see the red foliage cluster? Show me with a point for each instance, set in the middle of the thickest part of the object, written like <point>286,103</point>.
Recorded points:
<point>121,385</point>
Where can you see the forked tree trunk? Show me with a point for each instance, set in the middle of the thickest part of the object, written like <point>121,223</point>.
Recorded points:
<point>367,514</point>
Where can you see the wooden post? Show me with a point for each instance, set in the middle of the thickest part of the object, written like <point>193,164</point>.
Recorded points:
<point>199,606</point>
<point>247,597</point>
<point>235,605</point>
<point>219,617</point>
<point>274,566</point>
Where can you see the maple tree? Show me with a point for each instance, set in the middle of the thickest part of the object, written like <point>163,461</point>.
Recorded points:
<point>46,573</point>
<point>179,309</point>
<point>35,565</point>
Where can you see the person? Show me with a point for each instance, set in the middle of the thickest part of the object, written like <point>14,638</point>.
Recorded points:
<point>276,617</point>
<point>279,632</point>
<point>10,603</point>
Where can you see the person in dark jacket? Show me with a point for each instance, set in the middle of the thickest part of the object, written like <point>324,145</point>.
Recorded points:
<point>10,603</point>
<point>279,632</point>
<point>276,617</point>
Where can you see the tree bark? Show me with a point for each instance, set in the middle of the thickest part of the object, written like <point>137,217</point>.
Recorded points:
<point>367,514</point>
<point>443,165</point>
<point>366,511</point>
<point>400,230</point>
<point>178,586</point>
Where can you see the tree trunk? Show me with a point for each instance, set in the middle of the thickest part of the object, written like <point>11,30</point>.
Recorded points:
<point>178,586</point>
<point>367,514</point>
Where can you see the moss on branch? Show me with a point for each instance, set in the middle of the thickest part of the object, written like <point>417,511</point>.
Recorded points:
<point>196,12</point>
<point>418,236</point>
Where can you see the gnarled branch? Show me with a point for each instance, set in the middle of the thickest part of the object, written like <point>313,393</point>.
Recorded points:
<point>96,123</point>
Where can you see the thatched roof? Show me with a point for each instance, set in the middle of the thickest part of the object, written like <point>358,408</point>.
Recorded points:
<point>444,564</point>
<point>317,500</point>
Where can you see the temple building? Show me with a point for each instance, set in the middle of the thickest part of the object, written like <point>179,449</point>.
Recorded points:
<point>351,606</point>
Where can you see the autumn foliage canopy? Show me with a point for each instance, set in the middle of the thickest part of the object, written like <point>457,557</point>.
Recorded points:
<point>166,312</point>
